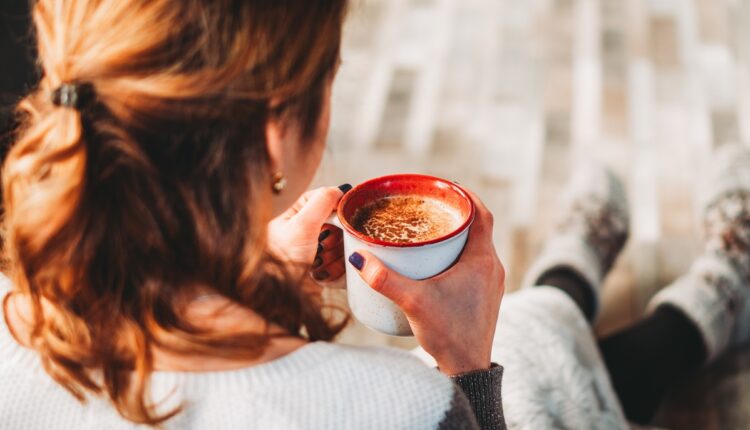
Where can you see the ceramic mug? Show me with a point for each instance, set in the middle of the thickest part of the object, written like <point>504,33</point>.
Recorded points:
<point>418,260</point>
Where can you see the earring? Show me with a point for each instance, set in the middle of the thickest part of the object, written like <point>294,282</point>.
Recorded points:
<point>278,182</point>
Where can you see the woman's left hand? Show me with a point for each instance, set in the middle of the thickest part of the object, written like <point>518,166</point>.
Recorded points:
<point>300,234</point>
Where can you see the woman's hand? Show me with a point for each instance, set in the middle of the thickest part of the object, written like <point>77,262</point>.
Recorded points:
<point>299,235</point>
<point>453,315</point>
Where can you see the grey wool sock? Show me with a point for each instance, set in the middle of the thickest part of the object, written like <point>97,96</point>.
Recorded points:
<point>715,293</point>
<point>591,231</point>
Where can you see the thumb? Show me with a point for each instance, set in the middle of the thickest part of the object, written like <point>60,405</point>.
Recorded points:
<point>319,205</point>
<point>382,279</point>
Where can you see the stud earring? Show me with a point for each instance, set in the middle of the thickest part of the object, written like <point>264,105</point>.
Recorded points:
<point>278,182</point>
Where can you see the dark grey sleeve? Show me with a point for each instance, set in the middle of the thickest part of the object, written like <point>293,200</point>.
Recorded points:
<point>459,416</point>
<point>481,392</point>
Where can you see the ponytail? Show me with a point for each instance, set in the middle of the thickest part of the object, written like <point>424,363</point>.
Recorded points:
<point>141,171</point>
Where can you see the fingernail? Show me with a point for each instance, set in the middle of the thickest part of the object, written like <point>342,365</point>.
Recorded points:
<point>345,188</point>
<point>319,276</point>
<point>357,260</point>
<point>320,248</point>
<point>323,235</point>
<point>317,263</point>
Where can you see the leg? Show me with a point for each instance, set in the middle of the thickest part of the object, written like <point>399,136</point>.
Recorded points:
<point>701,314</point>
<point>554,377</point>
<point>587,239</point>
<point>646,359</point>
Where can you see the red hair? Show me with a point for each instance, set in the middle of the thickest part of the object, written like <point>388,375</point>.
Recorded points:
<point>116,211</point>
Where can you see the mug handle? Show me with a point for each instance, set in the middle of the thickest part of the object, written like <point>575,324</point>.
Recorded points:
<point>339,284</point>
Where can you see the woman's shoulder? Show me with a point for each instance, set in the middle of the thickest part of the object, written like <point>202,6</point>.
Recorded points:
<point>391,384</point>
<point>324,385</point>
<point>385,362</point>
<point>372,384</point>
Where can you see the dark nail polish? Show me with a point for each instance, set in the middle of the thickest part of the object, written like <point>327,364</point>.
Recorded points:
<point>357,260</point>
<point>320,249</point>
<point>320,275</point>
<point>345,188</point>
<point>323,235</point>
<point>317,263</point>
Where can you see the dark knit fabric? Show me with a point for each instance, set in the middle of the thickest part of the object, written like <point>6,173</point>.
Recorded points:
<point>483,390</point>
<point>575,286</point>
<point>645,360</point>
<point>459,416</point>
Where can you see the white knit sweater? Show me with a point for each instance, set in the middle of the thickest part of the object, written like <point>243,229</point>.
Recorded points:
<point>554,378</point>
<point>319,386</point>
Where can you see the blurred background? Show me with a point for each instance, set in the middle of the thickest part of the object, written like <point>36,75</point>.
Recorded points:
<point>506,96</point>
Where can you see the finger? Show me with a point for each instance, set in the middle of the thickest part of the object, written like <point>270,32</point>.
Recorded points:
<point>380,278</point>
<point>480,238</point>
<point>297,206</point>
<point>324,256</point>
<point>482,216</point>
<point>328,247</point>
<point>480,249</point>
<point>329,256</point>
<point>331,271</point>
<point>330,243</point>
<point>330,236</point>
<point>339,272</point>
<point>320,203</point>
<point>335,284</point>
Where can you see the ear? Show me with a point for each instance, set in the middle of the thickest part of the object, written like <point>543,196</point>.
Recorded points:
<point>275,143</point>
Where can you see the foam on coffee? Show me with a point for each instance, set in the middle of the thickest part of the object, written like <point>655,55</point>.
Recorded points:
<point>406,219</point>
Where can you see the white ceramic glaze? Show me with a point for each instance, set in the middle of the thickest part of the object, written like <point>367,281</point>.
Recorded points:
<point>419,262</point>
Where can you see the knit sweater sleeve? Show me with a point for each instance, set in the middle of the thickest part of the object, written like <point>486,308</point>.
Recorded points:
<point>477,401</point>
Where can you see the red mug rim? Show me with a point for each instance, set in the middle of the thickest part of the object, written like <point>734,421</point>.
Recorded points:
<point>452,185</point>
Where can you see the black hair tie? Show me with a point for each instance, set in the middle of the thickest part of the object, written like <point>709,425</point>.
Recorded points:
<point>74,95</point>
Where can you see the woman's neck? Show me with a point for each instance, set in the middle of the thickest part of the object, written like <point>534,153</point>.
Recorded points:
<point>220,315</point>
<point>210,312</point>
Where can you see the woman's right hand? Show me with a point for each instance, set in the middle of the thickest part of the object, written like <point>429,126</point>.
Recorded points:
<point>453,315</point>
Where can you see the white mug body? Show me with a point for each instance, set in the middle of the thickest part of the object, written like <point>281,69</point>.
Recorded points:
<point>420,262</point>
<point>413,260</point>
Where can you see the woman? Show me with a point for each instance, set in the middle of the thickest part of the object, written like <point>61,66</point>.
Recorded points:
<point>159,243</point>
<point>158,239</point>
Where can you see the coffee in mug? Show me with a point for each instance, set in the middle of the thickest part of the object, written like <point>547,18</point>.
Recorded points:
<point>406,219</point>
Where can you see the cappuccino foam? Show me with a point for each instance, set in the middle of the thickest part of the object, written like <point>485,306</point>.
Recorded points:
<point>406,219</point>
